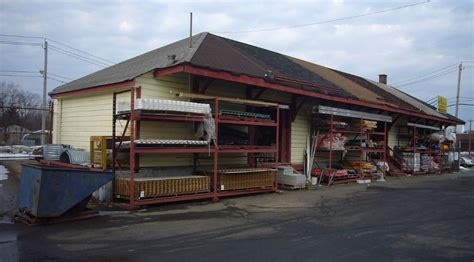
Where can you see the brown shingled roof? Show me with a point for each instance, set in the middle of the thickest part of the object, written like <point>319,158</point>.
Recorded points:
<point>222,54</point>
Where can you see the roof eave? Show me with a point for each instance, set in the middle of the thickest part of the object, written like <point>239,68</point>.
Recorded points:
<point>88,90</point>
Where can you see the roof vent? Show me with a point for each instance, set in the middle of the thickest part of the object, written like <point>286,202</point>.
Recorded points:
<point>172,58</point>
<point>269,76</point>
<point>383,79</point>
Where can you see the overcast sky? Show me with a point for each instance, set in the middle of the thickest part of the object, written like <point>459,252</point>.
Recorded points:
<point>404,43</point>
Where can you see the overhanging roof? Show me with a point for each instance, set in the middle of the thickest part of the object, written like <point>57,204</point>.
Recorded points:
<point>221,54</point>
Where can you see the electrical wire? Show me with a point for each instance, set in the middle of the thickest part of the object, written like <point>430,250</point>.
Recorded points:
<point>84,57</point>
<point>17,71</point>
<point>446,68</point>
<point>55,79</point>
<point>429,77</point>
<point>18,43</point>
<point>57,42</point>
<point>23,36</point>
<point>37,76</point>
<point>67,78</point>
<point>18,75</point>
<point>77,56</point>
<point>106,60</point>
<point>325,21</point>
<point>461,104</point>
<point>33,72</point>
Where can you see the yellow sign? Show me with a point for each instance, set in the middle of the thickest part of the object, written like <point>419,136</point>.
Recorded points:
<point>442,104</point>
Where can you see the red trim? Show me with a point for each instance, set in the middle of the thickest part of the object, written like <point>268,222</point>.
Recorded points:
<point>296,81</point>
<point>122,85</point>
<point>168,71</point>
<point>262,83</point>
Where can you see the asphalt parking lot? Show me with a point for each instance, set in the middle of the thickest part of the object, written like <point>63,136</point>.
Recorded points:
<point>428,218</point>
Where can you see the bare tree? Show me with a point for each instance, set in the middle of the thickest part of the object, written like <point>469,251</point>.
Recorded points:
<point>19,107</point>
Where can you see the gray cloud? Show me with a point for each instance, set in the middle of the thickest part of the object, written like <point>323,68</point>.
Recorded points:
<point>404,43</point>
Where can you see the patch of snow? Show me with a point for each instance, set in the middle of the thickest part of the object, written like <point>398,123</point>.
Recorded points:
<point>17,156</point>
<point>3,173</point>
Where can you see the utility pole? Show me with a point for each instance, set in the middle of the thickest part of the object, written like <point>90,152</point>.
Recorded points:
<point>45,90</point>
<point>457,94</point>
<point>190,29</point>
<point>469,135</point>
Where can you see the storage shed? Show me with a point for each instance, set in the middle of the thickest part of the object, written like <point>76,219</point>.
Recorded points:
<point>218,67</point>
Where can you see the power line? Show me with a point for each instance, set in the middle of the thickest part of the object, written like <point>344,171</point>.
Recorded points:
<point>426,74</point>
<point>17,71</point>
<point>461,104</point>
<point>33,72</point>
<point>57,42</point>
<point>18,75</point>
<point>55,79</point>
<point>429,77</point>
<point>326,21</point>
<point>77,56</point>
<point>18,43</point>
<point>67,78</point>
<point>106,60</point>
<point>23,36</point>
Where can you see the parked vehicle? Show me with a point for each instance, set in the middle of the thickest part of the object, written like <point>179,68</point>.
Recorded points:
<point>467,161</point>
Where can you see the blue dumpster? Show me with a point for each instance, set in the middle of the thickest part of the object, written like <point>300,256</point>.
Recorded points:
<point>47,192</point>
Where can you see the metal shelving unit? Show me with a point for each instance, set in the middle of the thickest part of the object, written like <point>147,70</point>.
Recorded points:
<point>363,136</point>
<point>134,117</point>
<point>417,133</point>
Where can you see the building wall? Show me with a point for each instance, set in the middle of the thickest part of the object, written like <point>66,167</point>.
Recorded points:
<point>397,136</point>
<point>300,129</point>
<point>79,117</point>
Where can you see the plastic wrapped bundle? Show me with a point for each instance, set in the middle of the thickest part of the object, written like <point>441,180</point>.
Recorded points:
<point>165,105</point>
<point>335,141</point>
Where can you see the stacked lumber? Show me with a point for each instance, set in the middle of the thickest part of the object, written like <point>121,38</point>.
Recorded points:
<point>366,167</point>
<point>366,125</point>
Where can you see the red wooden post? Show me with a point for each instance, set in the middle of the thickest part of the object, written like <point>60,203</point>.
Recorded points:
<point>277,136</point>
<point>132,146</point>
<point>216,147</point>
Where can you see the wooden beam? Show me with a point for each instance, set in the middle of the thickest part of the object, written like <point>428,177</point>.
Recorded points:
<point>256,81</point>
<point>228,99</point>
<point>205,85</point>
<point>296,106</point>
<point>116,86</point>
<point>157,73</point>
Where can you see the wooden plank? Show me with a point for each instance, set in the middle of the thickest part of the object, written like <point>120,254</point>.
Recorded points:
<point>227,99</point>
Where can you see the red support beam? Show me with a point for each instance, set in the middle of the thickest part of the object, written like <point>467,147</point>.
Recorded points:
<point>244,79</point>
<point>168,71</point>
